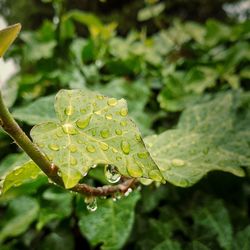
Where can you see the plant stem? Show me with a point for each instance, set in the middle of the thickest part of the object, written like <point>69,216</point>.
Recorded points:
<point>11,127</point>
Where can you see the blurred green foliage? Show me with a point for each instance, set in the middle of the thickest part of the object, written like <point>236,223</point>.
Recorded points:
<point>161,75</point>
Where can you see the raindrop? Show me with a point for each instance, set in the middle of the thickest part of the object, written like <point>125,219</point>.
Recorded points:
<point>91,203</point>
<point>155,175</point>
<point>112,101</point>
<point>114,150</point>
<point>178,162</point>
<point>118,131</point>
<point>108,116</point>
<point>72,148</point>
<point>54,147</point>
<point>83,123</point>
<point>143,155</point>
<point>105,133</point>
<point>125,146</point>
<point>100,97</point>
<point>59,133</point>
<point>90,148</point>
<point>104,146</point>
<point>128,192</point>
<point>69,110</point>
<point>68,128</point>
<point>83,111</point>
<point>40,145</point>
<point>123,112</point>
<point>112,173</point>
<point>138,137</point>
<point>134,170</point>
<point>73,161</point>
<point>123,123</point>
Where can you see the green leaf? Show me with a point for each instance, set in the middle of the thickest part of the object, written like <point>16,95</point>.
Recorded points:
<point>41,110</point>
<point>205,140</point>
<point>19,175</point>
<point>21,212</point>
<point>150,11</point>
<point>93,129</point>
<point>242,239</point>
<point>7,37</point>
<point>168,244</point>
<point>196,245</point>
<point>111,223</point>
<point>213,217</point>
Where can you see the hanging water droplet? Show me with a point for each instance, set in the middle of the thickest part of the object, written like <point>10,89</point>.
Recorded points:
<point>91,203</point>
<point>118,131</point>
<point>125,146</point>
<point>128,192</point>
<point>134,170</point>
<point>112,173</point>
<point>112,101</point>
<point>54,147</point>
<point>73,161</point>
<point>104,146</point>
<point>155,175</point>
<point>123,112</point>
<point>108,116</point>
<point>90,148</point>
<point>72,148</point>
<point>143,155</point>
<point>178,162</point>
<point>83,123</point>
<point>69,110</point>
<point>105,133</point>
<point>123,123</point>
<point>68,128</point>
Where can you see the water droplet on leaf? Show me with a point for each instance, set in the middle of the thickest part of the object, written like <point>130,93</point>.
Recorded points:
<point>123,123</point>
<point>105,133</point>
<point>112,173</point>
<point>104,146</point>
<point>18,171</point>
<point>155,175</point>
<point>112,101</point>
<point>134,170</point>
<point>178,162</point>
<point>72,148</point>
<point>54,147</point>
<point>83,111</point>
<point>83,123</point>
<point>90,148</point>
<point>68,128</point>
<point>73,161</point>
<point>69,110</point>
<point>143,155</point>
<point>108,116</point>
<point>125,146</point>
<point>123,112</point>
<point>118,131</point>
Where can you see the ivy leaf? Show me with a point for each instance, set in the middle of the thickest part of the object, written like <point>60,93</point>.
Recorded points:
<point>206,139</point>
<point>7,37</point>
<point>21,212</point>
<point>111,223</point>
<point>168,244</point>
<point>93,129</point>
<point>19,175</point>
<point>213,217</point>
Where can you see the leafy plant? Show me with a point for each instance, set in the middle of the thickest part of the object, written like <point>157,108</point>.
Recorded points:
<point>90,140</point>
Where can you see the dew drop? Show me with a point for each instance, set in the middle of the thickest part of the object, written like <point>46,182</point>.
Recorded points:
<point>104,146</point>
<point>73,161</point>
<point>40,145</point>
<point>69,129</point>
<point>123,123</point>
<point>17,184</point>
<point>83,111</point>
<point>90,148</point>
<point>114,150</point>
<point>128,192</point>
<point>105,133</point>
<point>69,110</point>
<point>123,112</point>
<point>72,148</point>
<point>178,162</point>
<point>59,133</point>
<point>112,173</point>
<point>91,203</point>
<point>138,137</point>
<point>143,155</point>
<point>100,97</point>
<point>155,175</point>
<point>98,112</point>
<point>83,123</point>
<point>108,116</point>
<point>112,101</point>
<point>118,131</point>
<point>125,146</point>
<point>54,147</point>
<point>93,132</point>
<point>134,170</point>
